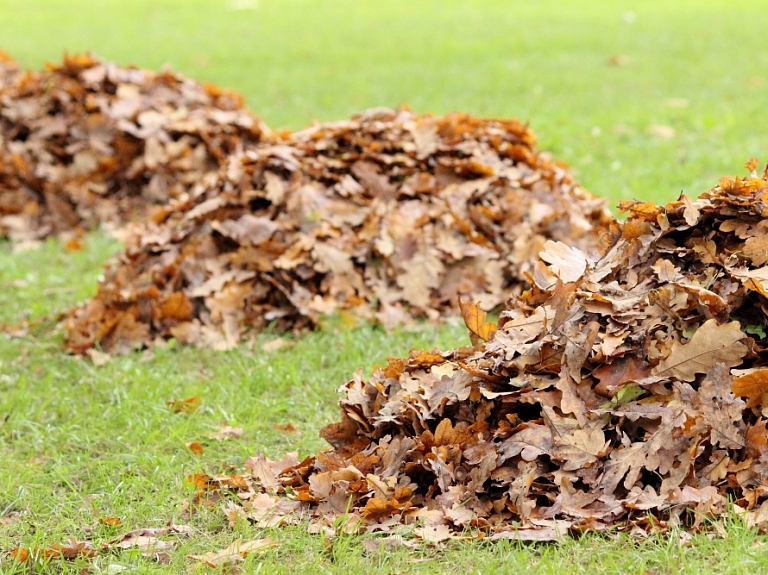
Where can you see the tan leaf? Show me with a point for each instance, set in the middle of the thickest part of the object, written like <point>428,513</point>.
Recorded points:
<point>568,263</point>
<point>710,345</point>
<point>235,553</point>
<point>227,432</point>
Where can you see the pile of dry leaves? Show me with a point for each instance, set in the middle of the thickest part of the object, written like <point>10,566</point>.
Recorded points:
<point>387,216</point>
<point>91,142</point>
<point>626,389</point>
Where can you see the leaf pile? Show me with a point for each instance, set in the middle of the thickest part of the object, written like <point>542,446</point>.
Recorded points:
<point>387,216</point>
<point>621,390</point>
<point>90,142</point>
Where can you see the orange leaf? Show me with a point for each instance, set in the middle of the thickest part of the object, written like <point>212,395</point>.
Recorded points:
<point>201,481</point>
<point>73,245</point>
<point>753,386</point>
<point>474,319</point>
<point>110,521</point>
<point>195,447</point>
<point>376,508</point>
<point>177,307</point>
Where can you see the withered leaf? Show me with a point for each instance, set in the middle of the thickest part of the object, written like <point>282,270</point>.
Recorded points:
<point>235,553</point>
<point>475,320</point>
<point>752,385</point>
<point>711,344</point>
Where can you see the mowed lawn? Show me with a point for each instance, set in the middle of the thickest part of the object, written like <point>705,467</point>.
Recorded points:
<point>645,99</point>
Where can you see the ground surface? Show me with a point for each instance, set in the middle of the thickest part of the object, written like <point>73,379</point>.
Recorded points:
<point>643,100</point>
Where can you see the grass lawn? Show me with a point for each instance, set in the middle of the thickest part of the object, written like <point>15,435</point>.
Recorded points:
<point>643,99</point>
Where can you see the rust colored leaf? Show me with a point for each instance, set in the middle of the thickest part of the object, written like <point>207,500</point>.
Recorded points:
<point>176,307</point>
<point>202,481</point>
<point>73,245</point>
<point>69,552</point>
<point>195,447</point>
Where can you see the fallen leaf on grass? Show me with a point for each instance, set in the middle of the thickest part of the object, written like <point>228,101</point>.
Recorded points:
<point>287,428</point>
<point>98,358</point>
<point>195,447</point>
<point>235,553</point>
<point>186,406</point>
<point>69,552</point>
<point>227,432</point>
<point>110,521</point>
<point>276,344</point>
<point>148,543</point>
<point>74,245</point>
<point>10,519</point>
<point>433,533</point>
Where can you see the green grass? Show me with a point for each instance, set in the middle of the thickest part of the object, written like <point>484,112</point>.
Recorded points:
<point>78,442</point>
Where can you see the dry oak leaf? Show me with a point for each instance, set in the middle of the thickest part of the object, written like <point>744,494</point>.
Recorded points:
<point>70,552</point>
<point>147,538</point>
<point>710,345</point>
<point>567,263</point>
<point>235,553</point>
<point>475,320</point>
<point>753,386</point>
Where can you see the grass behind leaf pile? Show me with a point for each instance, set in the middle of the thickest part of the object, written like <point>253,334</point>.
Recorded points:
<point>78,442</point>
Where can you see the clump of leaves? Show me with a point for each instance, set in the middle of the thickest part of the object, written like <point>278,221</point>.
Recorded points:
<point>385,217</point>
<point>620,390</point>
<point>89,142</point>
